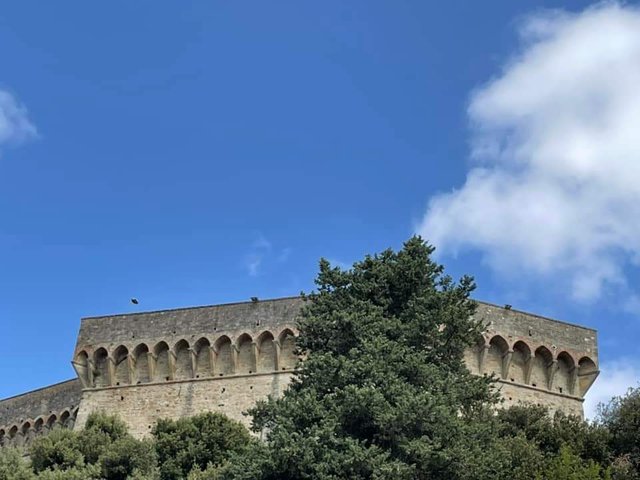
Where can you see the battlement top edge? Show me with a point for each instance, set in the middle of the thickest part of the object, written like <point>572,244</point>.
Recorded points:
<point>71,382</point>
<point>296,299</point>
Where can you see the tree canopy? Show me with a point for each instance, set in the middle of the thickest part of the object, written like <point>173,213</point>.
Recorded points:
<point>381,392</point>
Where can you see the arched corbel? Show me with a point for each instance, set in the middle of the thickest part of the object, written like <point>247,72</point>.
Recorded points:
<point>212,358</point>
<point>130,368</point>
<point>111,370</point>
<point>194,361</point>
<point>551,373</point>
<point>151,365</point>
<point>484,351</point>
<point>254,356</point>
<point>234,357</point>
<point>573,380</point>
<point>277,347</point>
<point>214,362</point>
<point>171,360</point>
<point>528,364</point>
<point>506,362</point>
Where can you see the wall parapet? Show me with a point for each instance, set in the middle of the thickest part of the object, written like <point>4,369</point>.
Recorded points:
<point>25,416</point>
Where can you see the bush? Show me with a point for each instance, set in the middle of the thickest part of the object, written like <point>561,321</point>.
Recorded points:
<point>126,457</point>
<point>13,467</point>
<point>87,472</point>
<point>60,450</point>
<point>199,441</point>
<point>621,416</point>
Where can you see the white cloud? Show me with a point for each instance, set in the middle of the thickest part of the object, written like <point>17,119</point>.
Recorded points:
<point>614,380</point>
<point>15,125</point>
<point>252,263</point>
<point>555,184</point>
<point>261,253</point>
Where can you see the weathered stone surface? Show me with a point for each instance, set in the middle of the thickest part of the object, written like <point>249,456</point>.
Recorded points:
<point>176,363</point>
<point>142,405</point>
<point>24,416</point>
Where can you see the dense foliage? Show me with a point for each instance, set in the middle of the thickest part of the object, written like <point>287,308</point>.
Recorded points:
<point>200,442</point>
<point>382,393</point>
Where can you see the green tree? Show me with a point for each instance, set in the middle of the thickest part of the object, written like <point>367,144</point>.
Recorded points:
<point>100,431</point>
<point>59,450</point>
<point>13,466</point>
<point>621,416</point>
<point>383,392</point>
<point>550,434</point>
<point>200,441</point>
<point>86,472</point>
<point>103,449</point>
<point>127,457</point>
<point>568,466</point>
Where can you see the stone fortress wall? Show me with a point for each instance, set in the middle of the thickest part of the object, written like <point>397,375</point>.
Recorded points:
<point>26,416</point>
<point>175,363</point>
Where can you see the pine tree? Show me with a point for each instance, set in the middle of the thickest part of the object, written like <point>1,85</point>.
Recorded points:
<point>382,392</point>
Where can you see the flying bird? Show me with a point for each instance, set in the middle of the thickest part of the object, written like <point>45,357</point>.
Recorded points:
<point>134,301</point>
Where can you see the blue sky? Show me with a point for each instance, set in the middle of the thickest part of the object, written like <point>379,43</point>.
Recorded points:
<point>212,151</point>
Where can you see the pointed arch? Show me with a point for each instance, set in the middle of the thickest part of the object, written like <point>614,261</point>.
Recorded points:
<point>494,362</point>
<point>183,360</point>
<point>224,356</point>
<point>540,368</point>
<point>26,433</point>
<point>81,365</point>
<point>52,421</point>
<point>518,369</point>
<point>101,362</point>
<point>14,439</point>
<point>587,373</point>
<point>38,425</point>
<point>563,378</point>
<point>204,358</point>
<point>266,353</point>
<point>121,366</point>
<point>162,370</point>
<point>64,419</point>
<point>288,358</point>
<point>245,354</point>
<point>141,361</point>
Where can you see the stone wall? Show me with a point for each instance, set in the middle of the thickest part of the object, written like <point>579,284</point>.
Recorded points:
<point>550,360</point>
<point>176,363</point>
<point>141,405</point>
<point>26,416</point>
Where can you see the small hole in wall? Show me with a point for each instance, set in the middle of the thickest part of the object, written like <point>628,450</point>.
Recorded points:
<point>250,371</point>
<point>121,398</point>
<point>224,390</point>
<point>117,383</point>
<point>534,385</point>
<point>148,426</point>
<point>510,398</point>
<point>197,376</point>
<point>166,379</point>
<point>222,374</point>
<point>251,387</point>
<point>512,380</point>
<point>560,389</point>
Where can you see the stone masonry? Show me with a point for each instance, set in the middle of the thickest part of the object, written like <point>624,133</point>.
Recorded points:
<point>176,363</point>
